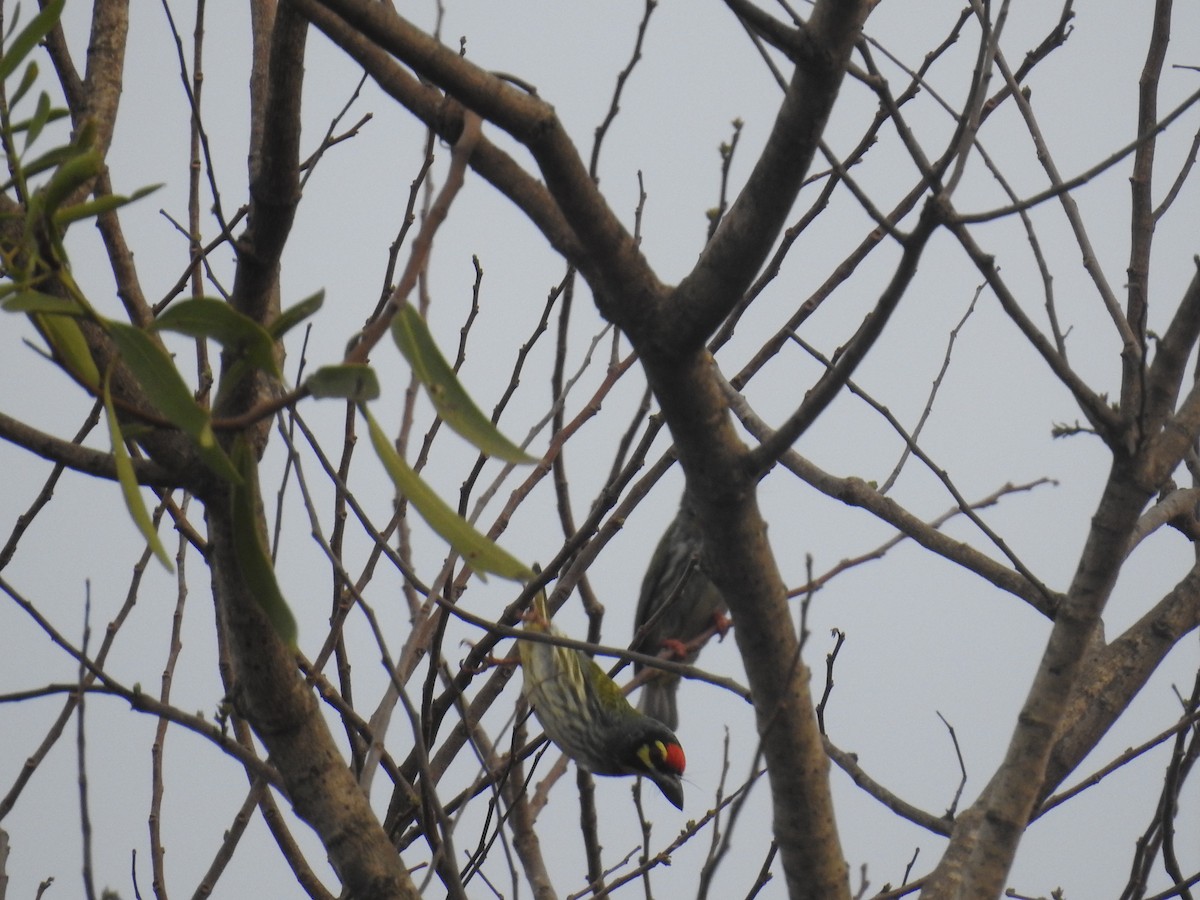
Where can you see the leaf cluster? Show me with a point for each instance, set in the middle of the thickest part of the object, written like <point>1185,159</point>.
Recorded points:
<point>39,285</point>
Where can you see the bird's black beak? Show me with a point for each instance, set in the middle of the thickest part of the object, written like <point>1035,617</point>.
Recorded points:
<point>670,785</point>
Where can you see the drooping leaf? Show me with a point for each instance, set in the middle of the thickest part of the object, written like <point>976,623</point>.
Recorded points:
<point>74,173</point>
<point>480,552</point>
<point>28,79</point>
<point>156,373</point>
<point>48,160</point>
<point>30,37</point>
<point>70,347</point>
<point>294,315</point>
<point>28,301</point>
<point>451,400</point>
<point>89,209</point>
<point>169,393</point>
<point>250,548</point>
<point>205,317</point>
<point>348,382</point>
<point>129,486</point>
<point>40,116</point>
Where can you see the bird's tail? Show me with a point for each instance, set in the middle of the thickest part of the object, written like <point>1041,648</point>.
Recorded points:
<point>658,701</point>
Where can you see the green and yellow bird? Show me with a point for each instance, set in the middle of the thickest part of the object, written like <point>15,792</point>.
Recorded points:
<point>584,712</point>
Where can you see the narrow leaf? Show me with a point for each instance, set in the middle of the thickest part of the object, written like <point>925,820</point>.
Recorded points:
<point>26,301</point>
<point>205,317</point>
<point>451,400</point>
<point>28,78</point>
<point>250,548</point>
<point>30,37</point>
<point>40,117</point>
<point>294,315</point>
<point>129,486</point>
<point>46,161</point>
<point>156,373</point>
<point>348,382</point>
<point>53,114</point>
<point>70,347</point>
<point>89,209</point>
<point>480,552</point>
<point>72,174</point>
<point>169,393</point>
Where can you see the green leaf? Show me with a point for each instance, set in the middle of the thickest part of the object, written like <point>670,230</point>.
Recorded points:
<point>46,161</point>
<point>480,552</point>
<point>205,317</point>
<point>73,174</point>
<point>250,547</point>
<point>294,315</point>
<point>451,400</point>
<point>348,382</point>
<point>27,301</point>
<point>156,373</point>
<point>250,346</point>
<point>28,79</point>
<point>70,347</point>
<point>30,37</point>
<point>129,486</point>
<point>169,393</point>
<point>89,209</point>
<point>53,114</point>
<point>40,116</point>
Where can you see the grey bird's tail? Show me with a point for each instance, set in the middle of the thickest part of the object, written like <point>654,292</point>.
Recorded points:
<point>658,700</point>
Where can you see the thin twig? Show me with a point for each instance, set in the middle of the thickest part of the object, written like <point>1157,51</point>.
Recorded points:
<point>830,658</point>
<point>85,819</point>
<point>418,258</point>
<point>933,390</point>
<point>952,810</point>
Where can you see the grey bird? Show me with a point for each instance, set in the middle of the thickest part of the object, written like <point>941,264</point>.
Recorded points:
<point>678,603</point>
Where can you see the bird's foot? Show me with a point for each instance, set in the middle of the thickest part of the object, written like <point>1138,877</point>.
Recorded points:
<point>721,624</point>
<point>679,649</point>
<point>533,617</point>
<point>487,662</point>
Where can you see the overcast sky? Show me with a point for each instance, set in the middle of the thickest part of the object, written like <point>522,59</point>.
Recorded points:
<point>922,636</point>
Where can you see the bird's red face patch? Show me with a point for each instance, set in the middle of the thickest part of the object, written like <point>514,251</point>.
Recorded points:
<point>673,759</point>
